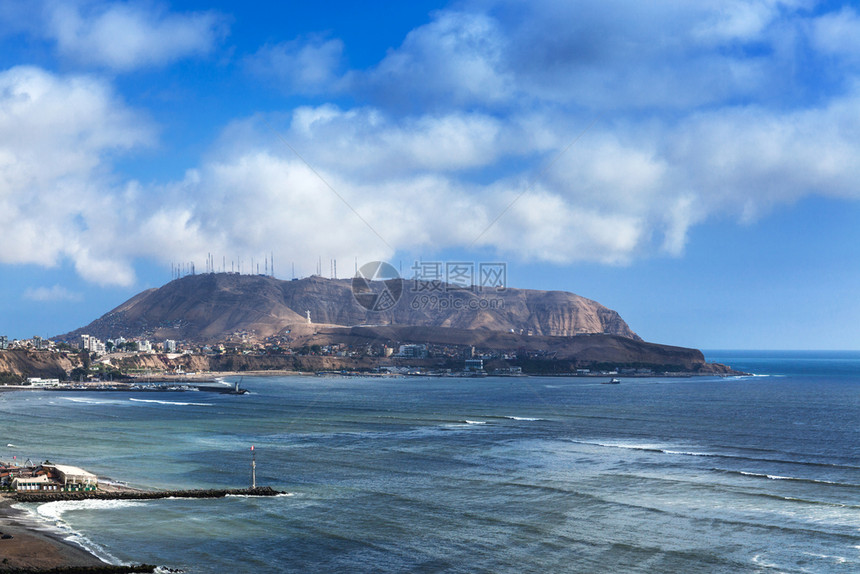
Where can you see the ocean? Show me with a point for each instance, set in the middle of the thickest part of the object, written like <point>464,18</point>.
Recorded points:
<point>532,474</point>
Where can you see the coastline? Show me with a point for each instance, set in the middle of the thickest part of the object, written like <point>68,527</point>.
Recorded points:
<point>35,548</point>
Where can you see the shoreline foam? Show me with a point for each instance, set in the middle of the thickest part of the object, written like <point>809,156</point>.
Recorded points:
<point>34,546</point>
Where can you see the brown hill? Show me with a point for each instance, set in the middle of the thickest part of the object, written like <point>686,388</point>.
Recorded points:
<point>211,307</point>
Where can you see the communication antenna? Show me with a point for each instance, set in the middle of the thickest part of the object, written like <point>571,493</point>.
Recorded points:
<point>253,468</point>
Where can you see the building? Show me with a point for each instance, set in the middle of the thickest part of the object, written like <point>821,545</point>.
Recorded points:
<point>4,342</point>
<point>474,365</point>
<point>39,382</point>
<point>46,477</point>
<point>169,346</point>
<point>71,478</point>
<point>412,351</point>
<point>93,345</point>
<point>31,483</point>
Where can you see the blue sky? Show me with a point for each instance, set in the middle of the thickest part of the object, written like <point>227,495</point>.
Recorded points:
<point>692,165</point>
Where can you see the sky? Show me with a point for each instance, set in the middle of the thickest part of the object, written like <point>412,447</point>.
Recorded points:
<point>693,165</point>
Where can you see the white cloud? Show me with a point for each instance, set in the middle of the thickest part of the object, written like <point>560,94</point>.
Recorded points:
<point>51,294</point>
<point>125,36</point>
<point>54,190</point>
<point>463,122</point>
<point>455,60</point>
<point>838,33</point>
<point>303,66</point>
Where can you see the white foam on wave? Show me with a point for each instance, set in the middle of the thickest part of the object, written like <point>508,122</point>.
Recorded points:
<point>522,418</point>
<point>780,477</point>
<point>647,447</point>
<point>836,559</point>
<point>171,403</point>
<point>468,422</point>
<point>687,453</point>
<point>10,445</point>
<point>759,561</point>
<point>50,514</point>
<point>55,510</point>
<point>279,495</point>
<point>85,401</point>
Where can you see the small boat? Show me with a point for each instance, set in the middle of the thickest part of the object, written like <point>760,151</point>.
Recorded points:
<point>611,382</point>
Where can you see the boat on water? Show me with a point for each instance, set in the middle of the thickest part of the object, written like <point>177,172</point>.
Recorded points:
<point>612,381</point>
<point>233,389</point>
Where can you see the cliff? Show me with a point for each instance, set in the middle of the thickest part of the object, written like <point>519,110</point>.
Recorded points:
<point>26,363</point>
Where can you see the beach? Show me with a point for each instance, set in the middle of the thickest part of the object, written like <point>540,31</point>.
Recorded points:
<point>33,547</point>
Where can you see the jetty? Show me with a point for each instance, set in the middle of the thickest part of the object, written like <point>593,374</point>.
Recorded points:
<point>130,494</point>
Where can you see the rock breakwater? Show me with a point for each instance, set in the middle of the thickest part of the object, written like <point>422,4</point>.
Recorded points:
<point>142,494</point>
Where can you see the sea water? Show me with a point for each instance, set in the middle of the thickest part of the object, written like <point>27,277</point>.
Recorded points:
<point>531,474</point>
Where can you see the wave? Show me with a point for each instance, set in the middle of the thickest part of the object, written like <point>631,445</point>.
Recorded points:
<point>662,449</point>
<point>513,418</point>
<point>780,477</point>
<point>50,516</point>
<point>468,422</point>
<point>279,495</point>
<point>85,401</point>
<point>171,403</point>
<point>10,445</point>
<point>836,559</point>
<point>55,510</point>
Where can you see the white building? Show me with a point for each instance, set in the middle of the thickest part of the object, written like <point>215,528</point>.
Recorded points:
<point>72,477</point>
<point>39,382</point>
<point>93,345</point>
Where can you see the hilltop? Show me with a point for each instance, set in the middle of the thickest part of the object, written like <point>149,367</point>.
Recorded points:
<point>263,323</point>
<point>212,307</point>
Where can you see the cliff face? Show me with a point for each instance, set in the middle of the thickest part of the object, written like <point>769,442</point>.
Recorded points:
<point>213,306</point>
<point>44,364</point>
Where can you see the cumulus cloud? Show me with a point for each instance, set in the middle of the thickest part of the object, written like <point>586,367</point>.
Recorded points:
<point>302,66</point>
<point>53,169</point>
<point>838,33</point>
<point>125,36</point>
<point>455,60</point>
<point>550,131</point>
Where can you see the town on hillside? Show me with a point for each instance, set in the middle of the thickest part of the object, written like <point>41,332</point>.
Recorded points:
<point>91,360</point>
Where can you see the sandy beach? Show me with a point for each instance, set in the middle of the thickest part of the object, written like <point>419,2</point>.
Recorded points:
<point>32,548</point>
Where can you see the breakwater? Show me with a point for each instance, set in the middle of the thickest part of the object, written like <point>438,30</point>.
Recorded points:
<point>106,569</point>
<point>143,494</point>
